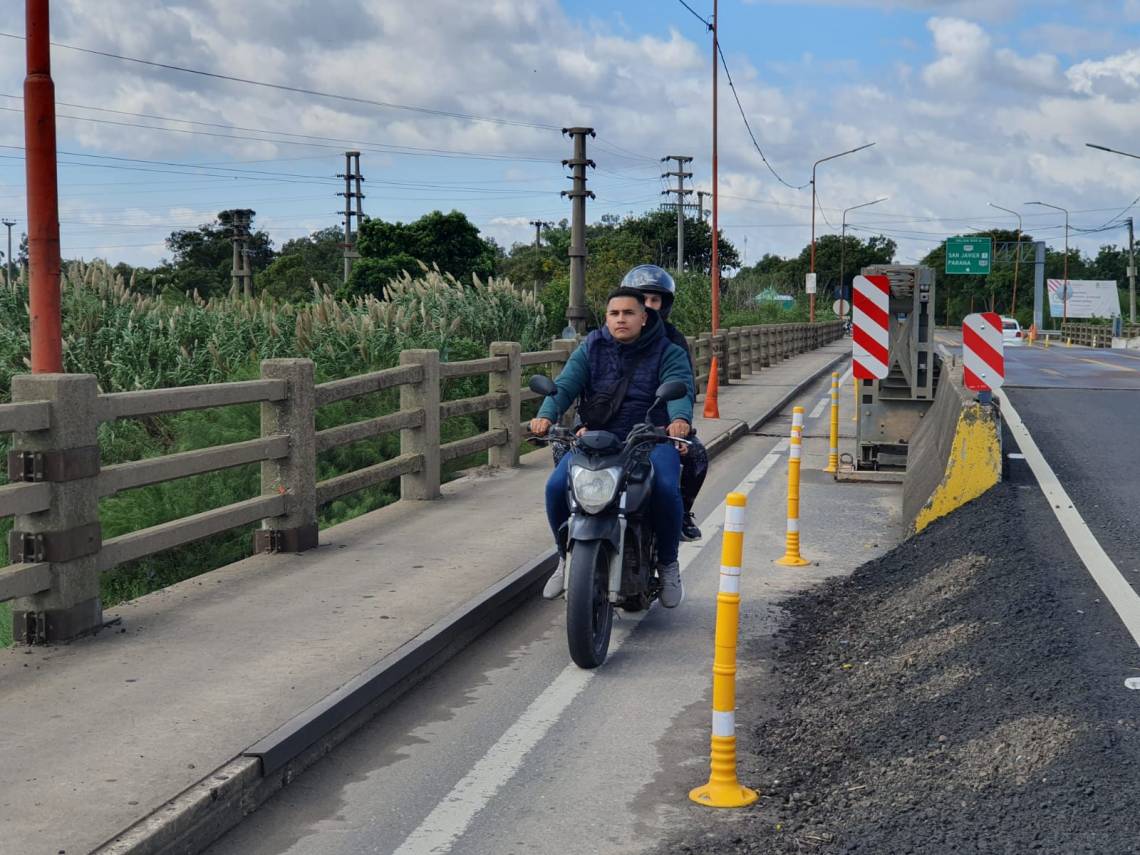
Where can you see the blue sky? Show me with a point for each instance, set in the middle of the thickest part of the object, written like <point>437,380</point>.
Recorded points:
<point>969,103</point>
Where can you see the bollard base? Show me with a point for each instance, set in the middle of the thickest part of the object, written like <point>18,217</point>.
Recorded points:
<point>792,561</point>
<point>724,795</point>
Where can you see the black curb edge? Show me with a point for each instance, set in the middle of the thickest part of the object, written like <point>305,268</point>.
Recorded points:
<point>205,811</point>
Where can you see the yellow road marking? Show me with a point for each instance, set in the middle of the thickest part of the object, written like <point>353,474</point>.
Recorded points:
<point>1111,365</point>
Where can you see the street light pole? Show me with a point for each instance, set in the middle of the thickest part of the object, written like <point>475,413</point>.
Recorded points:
<point>1131,257</point>
<point>1065,292</point>
<point>843,246</point>
<point>811,296</point>
<point>1016,257</point>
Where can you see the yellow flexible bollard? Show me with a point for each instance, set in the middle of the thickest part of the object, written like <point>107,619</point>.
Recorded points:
<point>792,557</point>
<point>724,790</point>
<point>798,421</point>
<point>855,386</point>
<point>833,449</point>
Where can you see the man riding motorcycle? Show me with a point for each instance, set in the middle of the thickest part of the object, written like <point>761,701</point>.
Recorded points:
<point>659,290</point>
<point>616,373</point>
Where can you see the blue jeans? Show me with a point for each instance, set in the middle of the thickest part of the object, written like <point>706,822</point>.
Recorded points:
<point>666,509</point>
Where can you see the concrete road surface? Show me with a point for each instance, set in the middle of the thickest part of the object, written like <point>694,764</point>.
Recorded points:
<point>512,749</point>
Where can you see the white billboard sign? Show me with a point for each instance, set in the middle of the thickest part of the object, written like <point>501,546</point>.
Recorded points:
<point>1088,298</point>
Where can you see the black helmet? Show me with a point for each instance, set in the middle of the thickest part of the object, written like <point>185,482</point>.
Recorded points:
<point>651,279</point>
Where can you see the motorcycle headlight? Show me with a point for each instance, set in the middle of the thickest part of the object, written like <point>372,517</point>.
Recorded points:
<point>594,488</point>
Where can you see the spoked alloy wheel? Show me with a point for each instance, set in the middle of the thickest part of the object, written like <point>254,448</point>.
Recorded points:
<point>589,614</point>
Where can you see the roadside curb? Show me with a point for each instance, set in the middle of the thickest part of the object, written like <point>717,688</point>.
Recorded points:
<point>199,815</point>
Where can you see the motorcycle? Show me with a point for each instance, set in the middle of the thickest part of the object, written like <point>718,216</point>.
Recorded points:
<point>610,544</point>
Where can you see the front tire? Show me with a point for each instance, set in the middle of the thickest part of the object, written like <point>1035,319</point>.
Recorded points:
<point>589,614</point>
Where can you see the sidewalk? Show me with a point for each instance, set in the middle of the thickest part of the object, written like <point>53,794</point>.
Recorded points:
<point>102,733</point>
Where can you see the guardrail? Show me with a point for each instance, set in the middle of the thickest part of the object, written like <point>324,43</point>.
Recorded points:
<point>56,546</point>
<point>1095,335</point>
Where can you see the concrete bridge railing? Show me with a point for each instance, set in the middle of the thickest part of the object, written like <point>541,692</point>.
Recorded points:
<point>56,548</point>
<point>1095,335</point>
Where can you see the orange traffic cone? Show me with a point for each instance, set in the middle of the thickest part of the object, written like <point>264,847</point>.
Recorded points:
<point>712,411</point>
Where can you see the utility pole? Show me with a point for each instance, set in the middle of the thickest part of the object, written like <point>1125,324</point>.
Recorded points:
<point>8,257</point>
<point>680,174</point>
<point>701,203</point>
<point>352,191</point>
<point>576,310</point>
<point>42,184</point>
<point>241,272</point>
<point>1065,292</point>
<point>538,224</point>
<point>1132,274</point>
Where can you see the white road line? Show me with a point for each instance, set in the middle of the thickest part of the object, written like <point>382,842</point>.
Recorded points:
<point>1106,574</point>
<point>818,411</point>
<point>449,820</point>
<point>846,376</point>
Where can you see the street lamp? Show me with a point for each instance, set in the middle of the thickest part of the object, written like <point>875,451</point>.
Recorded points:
<point>1065,292</point>
<point>811,315</point>
<point>1131,251</point>
<point>843,246</point>
<point>1016,257</point>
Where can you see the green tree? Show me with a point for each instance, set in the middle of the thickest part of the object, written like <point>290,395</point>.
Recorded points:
<point>448,241</point>
<point>318,257</point>
<point>203,257</point>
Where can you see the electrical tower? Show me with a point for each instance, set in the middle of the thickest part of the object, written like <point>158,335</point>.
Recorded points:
<point>8,257</point>
<point>241,271</point>
<point>352,191</point>
<point>680,174</point>
<point>538,225</point>
<point>701,204</point>
<point>576,313</point>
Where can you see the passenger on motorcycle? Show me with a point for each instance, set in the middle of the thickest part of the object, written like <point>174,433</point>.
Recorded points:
<point>659,290</point>
<point>631,353</point>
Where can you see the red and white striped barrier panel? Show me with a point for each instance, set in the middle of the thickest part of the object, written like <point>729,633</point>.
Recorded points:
<point>983,355</point>
<point>871,328</point>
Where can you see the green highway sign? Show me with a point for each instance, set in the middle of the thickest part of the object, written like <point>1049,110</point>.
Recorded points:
<point>969,256</point>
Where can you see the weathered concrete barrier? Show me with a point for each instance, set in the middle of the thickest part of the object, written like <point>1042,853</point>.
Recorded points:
<point>954,454</point>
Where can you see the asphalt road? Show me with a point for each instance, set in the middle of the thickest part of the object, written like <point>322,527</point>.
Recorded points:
<point>510,749</point>
<point>1082,408</point>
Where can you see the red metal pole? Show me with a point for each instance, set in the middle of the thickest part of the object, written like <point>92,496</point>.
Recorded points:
<point>712,406</point>
<point>43,194</point>
<point>715,238</point>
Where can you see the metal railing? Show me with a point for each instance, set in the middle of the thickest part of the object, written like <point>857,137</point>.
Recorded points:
<point>56,546</point>
<point>1094,335</point>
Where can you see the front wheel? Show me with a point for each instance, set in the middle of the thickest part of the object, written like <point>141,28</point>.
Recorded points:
<point>589,614</point>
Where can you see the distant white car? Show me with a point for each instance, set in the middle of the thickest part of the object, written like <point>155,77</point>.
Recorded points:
<point>1011,335</point>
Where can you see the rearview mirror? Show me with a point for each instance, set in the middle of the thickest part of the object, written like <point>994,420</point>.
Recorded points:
<point>542,385</point>
<point>674,390</point>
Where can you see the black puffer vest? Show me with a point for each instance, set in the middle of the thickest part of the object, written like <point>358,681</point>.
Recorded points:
<point>610,360</point>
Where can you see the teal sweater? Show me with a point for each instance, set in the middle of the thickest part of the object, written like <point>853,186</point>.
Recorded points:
<point>571,384</point>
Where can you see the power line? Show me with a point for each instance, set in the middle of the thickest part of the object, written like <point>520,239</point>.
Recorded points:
<point>299,90</point>
<point>748,127</point>
<point>696,15</point>
<point>297,139</point>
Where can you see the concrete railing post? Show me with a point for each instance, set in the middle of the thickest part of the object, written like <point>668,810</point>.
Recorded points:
<point>720,350</point>
<point>293,476</point>
<point>68,535</point>
<point>735,353</point>
<point>509,416</point>
<point>756,361</point>
<point>422,440</point>
<point>764,337</point>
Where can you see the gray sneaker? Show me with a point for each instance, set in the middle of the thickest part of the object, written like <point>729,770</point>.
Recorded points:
<point>672,591</point>
<point>556,584</point>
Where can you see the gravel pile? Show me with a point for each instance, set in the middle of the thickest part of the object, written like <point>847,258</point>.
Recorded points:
<point>964,693</point>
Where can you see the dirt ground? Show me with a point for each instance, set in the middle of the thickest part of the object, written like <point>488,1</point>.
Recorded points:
<point>964,693</point>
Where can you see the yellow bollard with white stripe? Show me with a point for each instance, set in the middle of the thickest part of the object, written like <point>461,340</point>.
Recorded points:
<point>855,388</point>
<point>833,449</point>
<point>724,790</point>
<point>798,421</point>
<point>792,557</point>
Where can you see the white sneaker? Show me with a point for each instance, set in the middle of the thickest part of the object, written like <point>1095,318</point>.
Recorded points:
<point>556,584</point>
<point>672,590</point>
